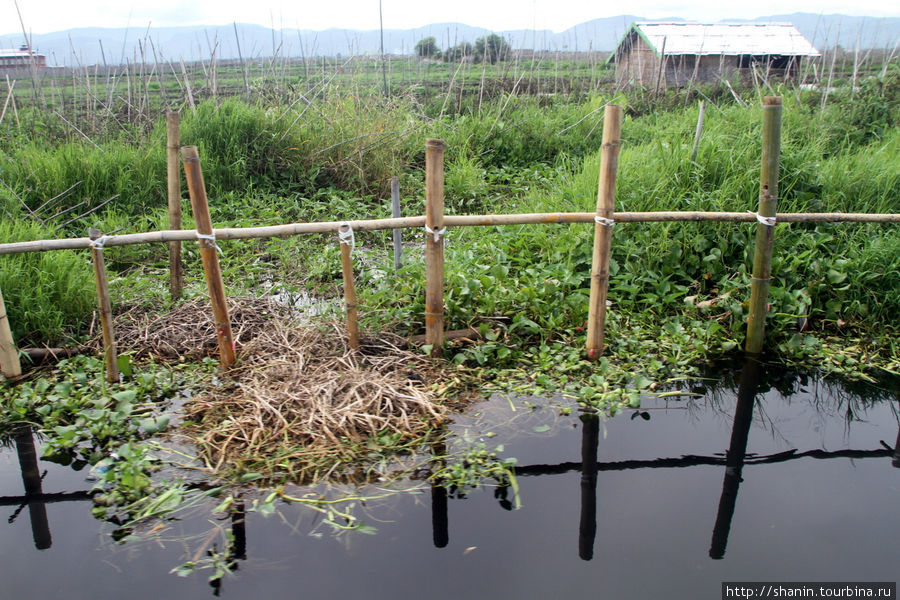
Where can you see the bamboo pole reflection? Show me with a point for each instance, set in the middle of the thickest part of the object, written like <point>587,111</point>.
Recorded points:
<point>896,461</point>
<point>587,526</point>
<point>748,387</point>
<point>440,529</point>
<point>237,544</point>
<point>31,479</point>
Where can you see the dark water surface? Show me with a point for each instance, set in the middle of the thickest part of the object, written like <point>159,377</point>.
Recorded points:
<point>803,485</point>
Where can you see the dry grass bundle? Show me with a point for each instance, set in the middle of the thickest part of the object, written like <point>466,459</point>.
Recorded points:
<point>300,402</point>
<point>188,330</point>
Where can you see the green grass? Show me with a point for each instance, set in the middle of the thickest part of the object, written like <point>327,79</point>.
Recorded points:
<point>48,295</point>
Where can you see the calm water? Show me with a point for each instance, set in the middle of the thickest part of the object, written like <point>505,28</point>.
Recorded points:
<point>802,486</point>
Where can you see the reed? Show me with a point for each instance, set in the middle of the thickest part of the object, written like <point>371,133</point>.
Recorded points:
<point>104,306</point>
<point>345,234</point>
<point>609,162</point>
<point>765,231</point>
<point>9,356</point>
<point>434,245</point>
<point>173,180</point>
<point>208,249</point>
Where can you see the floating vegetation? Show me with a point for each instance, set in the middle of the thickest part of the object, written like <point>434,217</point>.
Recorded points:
<point>299,402</point>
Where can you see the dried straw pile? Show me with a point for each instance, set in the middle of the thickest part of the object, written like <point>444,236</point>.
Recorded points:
<point>301,402</point>
<point>188,330</point>
<point>298,401</point>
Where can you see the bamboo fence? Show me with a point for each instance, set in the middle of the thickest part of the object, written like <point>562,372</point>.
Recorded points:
<point>435,224</point>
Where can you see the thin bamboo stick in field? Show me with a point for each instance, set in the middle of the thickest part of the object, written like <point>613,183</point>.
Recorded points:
<point>434,245</point>
<point>606,192</point>
<point>662,66</point>
<point>187,87</point>
<point>208,248</point>
<point>9,356</point>
<point>237,41</point>
<point>765,230</point>
<point>9,92</point>
<point>699,131</point>
<point>398,234</point>
<point>345,234</point>
<point>173,178</point>
<point>243,233</point>
<point>103,304</point>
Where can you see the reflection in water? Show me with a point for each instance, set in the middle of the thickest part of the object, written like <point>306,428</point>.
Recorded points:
<point>896,461</point>
<point>237,545</point>
<point>31,479</point>
<point>816,402</point>
<point>587,527</point>
<point>440,534</point>
<point>439,525</point>
<point>737,451</point>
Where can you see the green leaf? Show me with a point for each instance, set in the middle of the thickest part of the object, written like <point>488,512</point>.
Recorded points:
<point>125,396</point>
<point>641,382</point>
<point>154,425</point>
<point>835,277</point>
<point>125,366</point>
<point>541,428</point>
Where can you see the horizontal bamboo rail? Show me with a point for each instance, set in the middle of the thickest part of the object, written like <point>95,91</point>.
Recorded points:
<point>241,233</point>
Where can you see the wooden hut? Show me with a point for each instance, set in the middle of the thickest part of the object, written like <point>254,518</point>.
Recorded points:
<point>663,54</point>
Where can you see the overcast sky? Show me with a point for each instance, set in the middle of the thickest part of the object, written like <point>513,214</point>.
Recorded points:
<point>44,16</point>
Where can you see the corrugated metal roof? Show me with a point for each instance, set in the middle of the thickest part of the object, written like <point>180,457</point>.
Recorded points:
<point>15,53</point>
<point>727,38</point>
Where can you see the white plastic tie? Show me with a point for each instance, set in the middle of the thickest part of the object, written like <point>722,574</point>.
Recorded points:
<point>99,242</point>
<point>604,221</point>
<point>438,235</point>
<point>347,237</point>
<point>770,221</point>
<point>209,237</point>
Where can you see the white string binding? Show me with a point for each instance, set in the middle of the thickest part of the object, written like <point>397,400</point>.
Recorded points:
<point>438,235</point>
<point>99,242</point>
<point>347,237</point>
<point>770,221</point>
<point>209,237</point>
<point>604,221</point>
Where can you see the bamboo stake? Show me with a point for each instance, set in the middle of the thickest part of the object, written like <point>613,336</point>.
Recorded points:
<point>103,304</point>
<point>245,233</point>
<point>9,356</point>
<point>434,245</point>
<point>197,191</point>
<point>395,212</point>
<point>609,162</point>
<point>765,231</point>
<point>173,175</point>
<point>699,131</point>
<point>345,234</point>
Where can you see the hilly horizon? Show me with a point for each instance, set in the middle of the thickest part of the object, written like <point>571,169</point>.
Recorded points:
<point>95,45</point>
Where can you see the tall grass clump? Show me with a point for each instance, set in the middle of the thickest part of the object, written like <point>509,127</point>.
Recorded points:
<point>37,173</point>
<point>48,295</point>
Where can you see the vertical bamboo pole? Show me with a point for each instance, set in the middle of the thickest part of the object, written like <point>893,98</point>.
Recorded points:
<point>606,192</point>
<point>765,230</point>
<point>434,245</point>
<point>9,356</point>
<point>346,238</point>
<point>395,212</point>
<point>103,304</point>
<point>197,191</point>
<point>173,174</point>
<point>699,131</point>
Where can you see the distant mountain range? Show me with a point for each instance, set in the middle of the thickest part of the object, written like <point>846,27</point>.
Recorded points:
<point>90,46</point>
